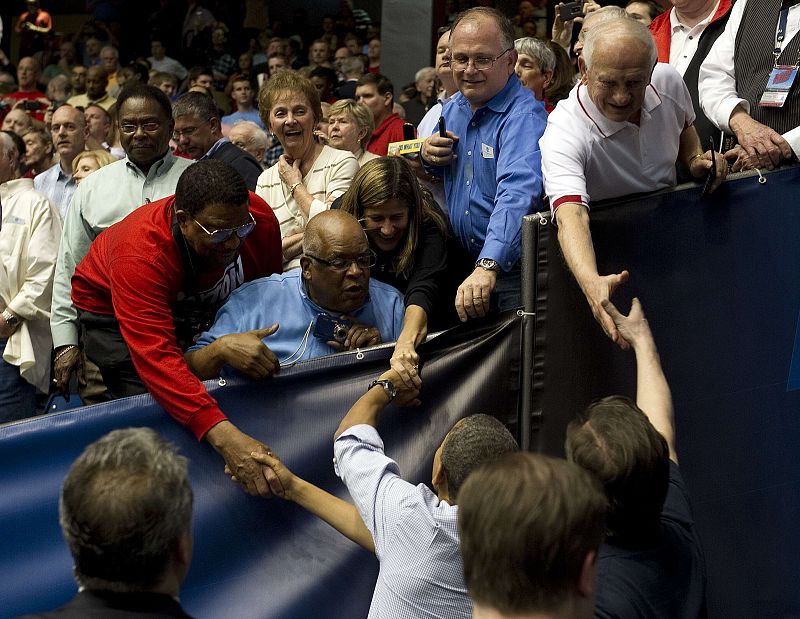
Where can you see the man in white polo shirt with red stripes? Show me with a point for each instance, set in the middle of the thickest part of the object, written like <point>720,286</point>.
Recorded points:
<point>621,131</point>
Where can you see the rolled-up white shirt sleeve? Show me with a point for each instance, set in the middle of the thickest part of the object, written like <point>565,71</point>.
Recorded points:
<point>717,81</point>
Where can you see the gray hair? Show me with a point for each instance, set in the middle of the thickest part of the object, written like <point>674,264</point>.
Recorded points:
<point>352,65</point>
<point>125,503</point>
<point>538,50</point>
<point>256,136</point>
<point>360,113</point>
<point>419,74</point>
<point>195,104</point>
<point>612,30</point>
<point>9,148</point>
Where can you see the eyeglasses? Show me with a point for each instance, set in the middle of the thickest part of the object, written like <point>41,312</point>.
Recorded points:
<point>131,128</point>
<point>178,133</point>
<point>460,62</point>
<point>220,236</point>
<point>364,261</point>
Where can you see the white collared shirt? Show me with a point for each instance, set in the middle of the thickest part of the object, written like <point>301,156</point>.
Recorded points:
<point>717,81</point>
<point>683,44</point>
<point>587,157</point>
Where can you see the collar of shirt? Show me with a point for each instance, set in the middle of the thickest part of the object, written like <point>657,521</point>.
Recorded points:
<point>301,286</point>
<point>676,24</point>
<point>155,168</point>
<point>606,126</point>
<point>501,102</point>
<point>213,149</point>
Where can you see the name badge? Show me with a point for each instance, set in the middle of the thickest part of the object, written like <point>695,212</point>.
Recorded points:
<point>487,151</point>
<point>779,84</point>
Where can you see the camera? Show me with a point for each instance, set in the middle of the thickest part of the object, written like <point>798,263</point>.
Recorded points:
<point>570,10</point>
<point>327,328</point>
<point>31,105</point>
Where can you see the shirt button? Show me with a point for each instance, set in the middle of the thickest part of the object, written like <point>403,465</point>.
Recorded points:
<point>466,212</point>
<point>690,38</point>
<point>473,124</point>
<point>469,152</point>
<point>467,182</point>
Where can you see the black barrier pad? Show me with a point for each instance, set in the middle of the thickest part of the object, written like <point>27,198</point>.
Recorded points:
<point>254,557</point>
<point>719,279</point>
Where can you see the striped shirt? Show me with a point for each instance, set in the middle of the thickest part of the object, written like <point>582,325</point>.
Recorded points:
<point>416,534</point>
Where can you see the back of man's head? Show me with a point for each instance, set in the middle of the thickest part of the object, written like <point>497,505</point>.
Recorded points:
<point>12,150</point>
<point>473,441</point>
<point>126,506</point>
<point>530,527</point>
<point>616,442</point>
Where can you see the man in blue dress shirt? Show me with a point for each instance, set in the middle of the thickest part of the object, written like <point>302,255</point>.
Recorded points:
<point>293,316</point>
<point>490,159</point>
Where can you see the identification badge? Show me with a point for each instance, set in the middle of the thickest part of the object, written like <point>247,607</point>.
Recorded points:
<point>487,151</point>
<point>779,84</point>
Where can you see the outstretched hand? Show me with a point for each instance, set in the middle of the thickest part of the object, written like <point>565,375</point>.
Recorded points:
<point>247,352</point>
<point>633,328</point>
<point>599,291</point>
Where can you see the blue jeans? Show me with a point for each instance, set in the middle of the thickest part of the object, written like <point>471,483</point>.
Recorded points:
<point>17,396</point>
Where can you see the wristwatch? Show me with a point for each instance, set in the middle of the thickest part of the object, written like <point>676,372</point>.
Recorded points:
<point>12,320</point>
<point>388,387</point>
<point>488,264</point>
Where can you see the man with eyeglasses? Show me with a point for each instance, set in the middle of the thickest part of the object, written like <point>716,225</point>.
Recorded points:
<point>328,305</point>
<point>198,133</point>
<point>490,160</point>
<point>152,282</point>
<point>148,172</point>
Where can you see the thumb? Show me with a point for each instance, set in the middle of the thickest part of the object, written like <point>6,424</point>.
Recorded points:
<point>262,333</point>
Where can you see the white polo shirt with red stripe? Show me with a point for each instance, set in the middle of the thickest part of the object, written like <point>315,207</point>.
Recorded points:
<point>587,157</point>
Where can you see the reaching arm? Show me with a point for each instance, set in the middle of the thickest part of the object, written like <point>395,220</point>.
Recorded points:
<point>369,406</point>
<point>652,391</point>
<point>405,359</point>
<point>575,239</point>
<point>340,514</point>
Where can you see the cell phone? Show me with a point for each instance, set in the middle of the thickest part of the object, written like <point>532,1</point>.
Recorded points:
<point>329,329</point>
<point>31,105</point>
<point>570,10</point>
<point>712,173</point>
<point>409,132</point>
<point>442,127</point>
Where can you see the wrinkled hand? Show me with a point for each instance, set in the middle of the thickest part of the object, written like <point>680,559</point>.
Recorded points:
<point>289,172</point>
<point>359,336</point>
<point>236,448</point>
<point>247,352</point>
<point>633,328</point>
<point>406,394</point>
<point>285,477</point>
<point>700,166</point>
<point>764,147</point>
<point>438,151</point>
<point>71,361</point>
<point>321,136</point>
<point>474,294</point>
<point>405,361</point>
<point>597,292</point>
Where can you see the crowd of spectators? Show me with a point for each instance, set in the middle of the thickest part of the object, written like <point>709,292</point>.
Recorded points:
<point>221,202</point>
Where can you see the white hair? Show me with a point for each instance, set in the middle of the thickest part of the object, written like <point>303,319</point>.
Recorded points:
<point>612,31</point>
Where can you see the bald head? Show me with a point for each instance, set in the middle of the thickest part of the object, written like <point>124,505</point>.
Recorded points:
<point>330,226</point>
<point>594,18</point>
<point>250,137</point>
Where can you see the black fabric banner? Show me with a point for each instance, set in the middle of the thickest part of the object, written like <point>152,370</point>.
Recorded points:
<point>253,557</point>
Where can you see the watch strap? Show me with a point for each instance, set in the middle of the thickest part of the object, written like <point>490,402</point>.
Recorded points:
<point>388,387</point>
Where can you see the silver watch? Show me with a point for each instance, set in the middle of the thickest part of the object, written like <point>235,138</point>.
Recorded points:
<point>388,387</point>
<point>11,319</point>
<point>488,264</point>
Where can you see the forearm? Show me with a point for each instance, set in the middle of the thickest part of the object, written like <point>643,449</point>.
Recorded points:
<point>653,395</point>
<point>575,240</point>
<point>365,411</point>
<point>690,146</point>
<point>415,326</point>
<point>339,514</point>
<point>292,245</point>
<point>304,199</point>
<point>206,362</point>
